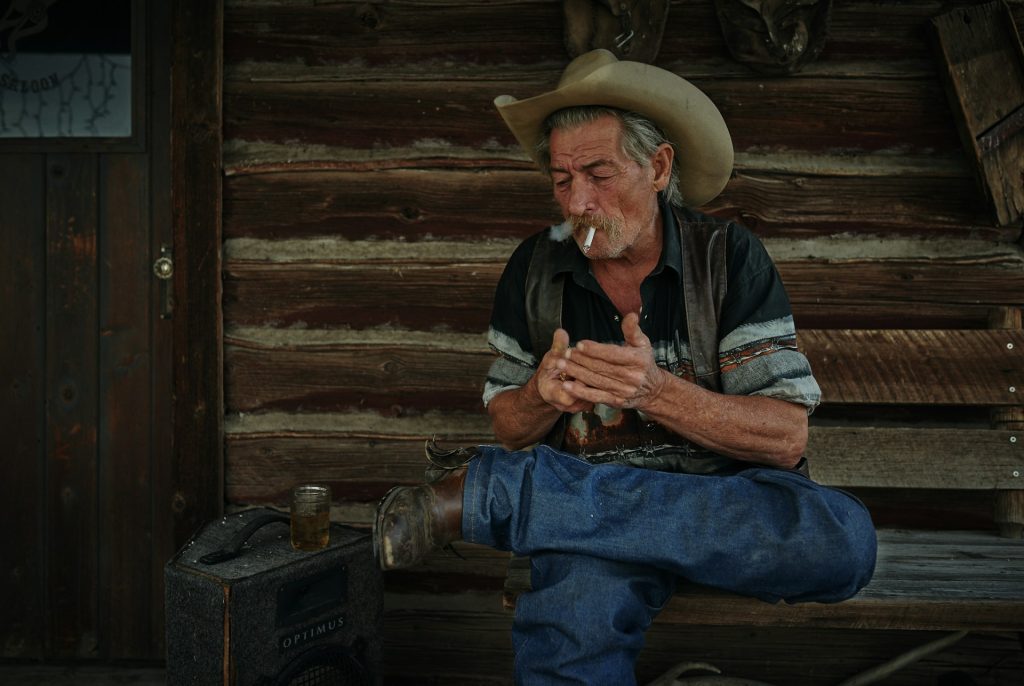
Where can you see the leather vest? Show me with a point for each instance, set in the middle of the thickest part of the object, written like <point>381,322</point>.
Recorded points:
<point>629,437</point>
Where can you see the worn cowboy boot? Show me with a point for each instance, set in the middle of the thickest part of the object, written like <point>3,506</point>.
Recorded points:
<point>443,462</point>
<point>413,520</point>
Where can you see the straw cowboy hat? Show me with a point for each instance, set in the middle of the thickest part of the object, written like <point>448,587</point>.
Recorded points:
<point>704,154</point>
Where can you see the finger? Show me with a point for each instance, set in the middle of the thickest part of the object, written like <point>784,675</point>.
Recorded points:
<point>593,395</point>
<point>615,361</point>
<point>566,400</point>
<point>615,379</point>
<point>612,353</point>
<point>570,402</point>
<point>632,332</point>
<point>560,341</point>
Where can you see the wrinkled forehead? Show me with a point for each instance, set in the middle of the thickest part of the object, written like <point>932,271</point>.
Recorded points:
<point>586,144</point>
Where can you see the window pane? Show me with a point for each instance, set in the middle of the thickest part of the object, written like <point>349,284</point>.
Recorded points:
<point>65,69</point>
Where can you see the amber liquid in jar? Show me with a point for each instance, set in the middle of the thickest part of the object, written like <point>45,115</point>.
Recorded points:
<point>310,517</point>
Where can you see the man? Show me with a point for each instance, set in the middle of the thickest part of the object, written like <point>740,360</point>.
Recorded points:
<point>618,383</point>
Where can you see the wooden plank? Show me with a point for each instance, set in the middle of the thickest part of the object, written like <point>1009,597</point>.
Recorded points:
<point>386,33</point>
<point>454,203</point>
<point>941,509</point>
<point>262,469</point>
<point>458,637</point>
<point>497,32</point>
<point>923,580</point>
<point>197,479</point>
<point>22,404</point>
<point>386,204</point>
<point>982,66</point>
<point>916,458</point>
<point>794,115</point>
<point>889,31</point>
<point>325,371</point>
<point>393,377</point>
<point>161,328</point>
<point>467,633</point>
<point>360,455</point>
<point>827,656</point>
<point>71,413</point>
<point>398,295</point>
<point>81,675</point>
<point>126,367</point>
<point>953,367</point>
<point>891,285</point>
<point>942,615</point>
<point>403,292</point>
<point>364,465</point>
<point>906,204</point>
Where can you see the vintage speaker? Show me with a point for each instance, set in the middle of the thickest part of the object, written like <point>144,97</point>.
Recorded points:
<point>245,609</point>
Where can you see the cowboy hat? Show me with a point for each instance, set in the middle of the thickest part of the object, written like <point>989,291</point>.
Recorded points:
<point>704,153</point>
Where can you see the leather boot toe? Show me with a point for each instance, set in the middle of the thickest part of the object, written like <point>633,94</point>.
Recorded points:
<point>413,520</point>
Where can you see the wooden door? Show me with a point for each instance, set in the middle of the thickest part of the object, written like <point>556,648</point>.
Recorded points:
<point>86,378</point>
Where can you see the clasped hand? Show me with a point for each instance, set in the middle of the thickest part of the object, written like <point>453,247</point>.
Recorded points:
<point>620,376</point>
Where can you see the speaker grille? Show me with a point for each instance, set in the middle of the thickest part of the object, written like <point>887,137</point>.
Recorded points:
<point>325,666</point>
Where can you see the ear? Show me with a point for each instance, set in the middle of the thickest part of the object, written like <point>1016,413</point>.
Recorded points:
<point>661,165</point>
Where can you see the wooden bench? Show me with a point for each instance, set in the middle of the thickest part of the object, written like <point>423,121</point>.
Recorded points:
<point>925,579</point>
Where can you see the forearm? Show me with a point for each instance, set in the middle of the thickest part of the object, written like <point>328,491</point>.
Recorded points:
<point>752,428</point>
<point>520,417</point>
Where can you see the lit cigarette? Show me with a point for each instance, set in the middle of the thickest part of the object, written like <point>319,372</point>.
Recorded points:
<point>590,239</point>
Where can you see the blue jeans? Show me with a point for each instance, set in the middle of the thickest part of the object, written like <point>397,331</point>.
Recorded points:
<point>607,542</point>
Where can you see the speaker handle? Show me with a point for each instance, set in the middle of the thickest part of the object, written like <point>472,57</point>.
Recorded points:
<point>234,547</point>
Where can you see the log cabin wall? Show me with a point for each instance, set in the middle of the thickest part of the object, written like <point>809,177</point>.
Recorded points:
<point>372,195</point>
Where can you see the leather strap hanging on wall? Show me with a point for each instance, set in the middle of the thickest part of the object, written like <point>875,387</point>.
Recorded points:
<point>631,29</point>
<point>774,36</point>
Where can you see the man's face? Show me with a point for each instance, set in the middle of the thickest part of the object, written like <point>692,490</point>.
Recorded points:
<point>597,184</point>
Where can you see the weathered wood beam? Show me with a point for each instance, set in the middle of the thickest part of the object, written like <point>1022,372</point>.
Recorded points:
<point>24,248</point>
<point>382,33</point>
<point>981,63</point>
<point>71,460</point>
<point>903,594</point>
<point>493,33</point>
<point>795,114</point>
<point>361,464</point>
<point>196,134</point>
<point>402,371</point>
<point>410,204</point>
<point>928,291</point>
<point>870,457</point>
<point>427,634</point>
<point>913,367</point>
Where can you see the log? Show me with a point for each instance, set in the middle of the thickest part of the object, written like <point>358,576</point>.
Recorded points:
<point>420,202</point>
<point>915,367</point>
<point>415,292</point>
<point>401,372</point>
<point>364,467</point>
<point>869,457</point>
<point>1009,505</point>
<point>794,115</point>
<point>496,32</point>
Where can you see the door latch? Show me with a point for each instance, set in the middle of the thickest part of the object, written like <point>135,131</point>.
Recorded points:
<point>163,269</point>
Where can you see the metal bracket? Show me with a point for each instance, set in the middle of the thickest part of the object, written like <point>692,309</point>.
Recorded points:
<point>163,269</point>
<point>631,29</point>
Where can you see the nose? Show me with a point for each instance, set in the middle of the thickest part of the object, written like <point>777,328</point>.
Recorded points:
<point>581,198</point>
